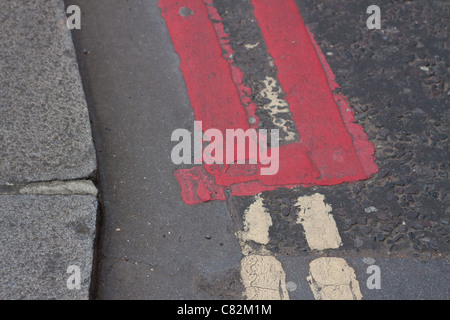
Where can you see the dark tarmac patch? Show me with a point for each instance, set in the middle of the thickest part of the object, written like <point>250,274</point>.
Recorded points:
<point>223,285</point>
<point>396,80</point>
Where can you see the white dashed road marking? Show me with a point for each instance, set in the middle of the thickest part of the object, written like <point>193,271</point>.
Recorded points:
<point>263,278</point>
<point>333,279</point>
<point>257,222</point>
<point>320,228</point>
<point>262,274</point>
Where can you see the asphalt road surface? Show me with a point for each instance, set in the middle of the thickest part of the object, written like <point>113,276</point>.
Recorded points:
<point>382,237</point>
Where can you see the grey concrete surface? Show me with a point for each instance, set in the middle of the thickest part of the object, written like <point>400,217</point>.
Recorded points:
<point>45,132</point>
<point>40,237</point>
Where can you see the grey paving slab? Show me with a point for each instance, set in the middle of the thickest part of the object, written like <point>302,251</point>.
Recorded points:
<point>40,238</point>
<point>45,132</point>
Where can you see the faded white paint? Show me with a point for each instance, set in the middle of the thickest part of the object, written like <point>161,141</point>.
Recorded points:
<point>333,279</point>
<point>320,228</point>
<point>263,278</point>
<point>251,46</point>
<point>257,222</point>
<point>271,91</point>
<point>262,275</point>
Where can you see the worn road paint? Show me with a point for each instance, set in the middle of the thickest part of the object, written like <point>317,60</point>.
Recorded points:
<point>304,76</point>
<point>263,278</point>
<point>262,275</point>
<point>212,91</point>
<point>257,222</point>
<point>251,46</point>
<point>331,148</point>
<point>278,109</point>
<point>314,215</point>
<point>333,279</point>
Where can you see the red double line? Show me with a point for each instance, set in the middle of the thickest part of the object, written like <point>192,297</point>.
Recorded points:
<point>332,149</point>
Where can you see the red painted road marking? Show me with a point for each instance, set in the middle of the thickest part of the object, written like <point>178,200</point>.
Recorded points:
<point>212,92</point>
<point>332,149</point>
